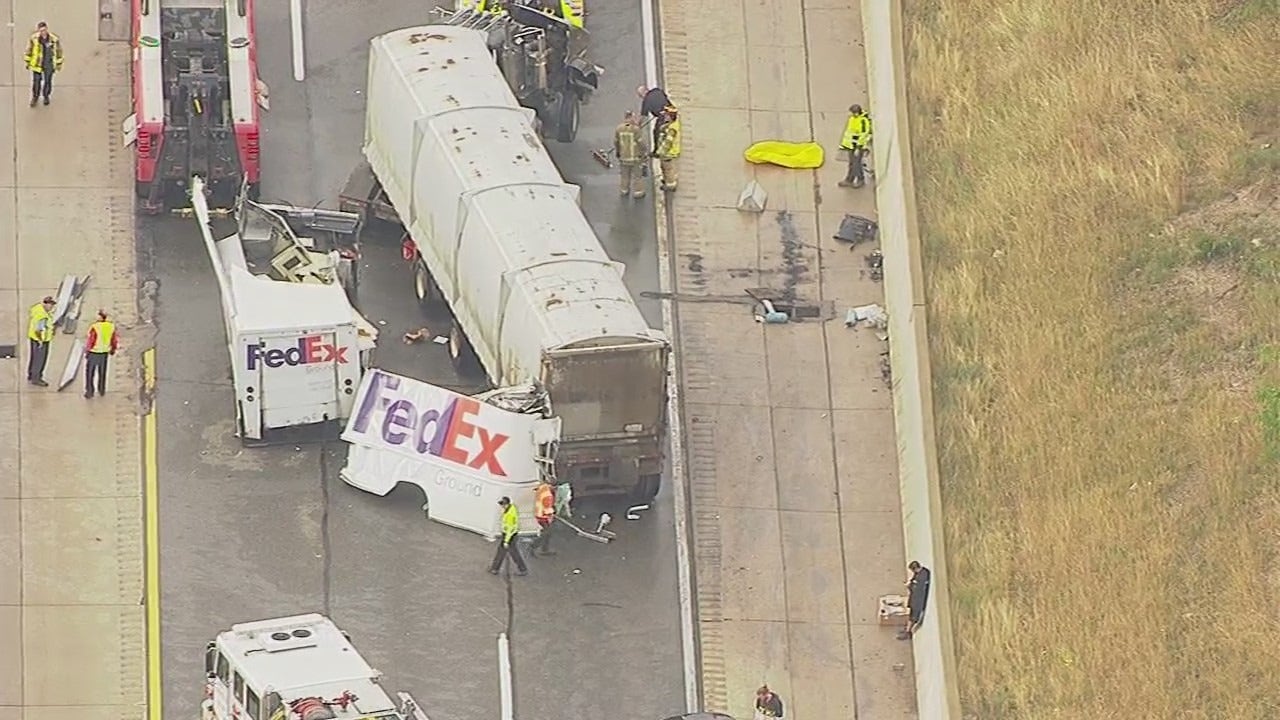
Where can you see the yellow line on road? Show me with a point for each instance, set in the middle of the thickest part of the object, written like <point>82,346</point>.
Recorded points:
<point>151,514</point>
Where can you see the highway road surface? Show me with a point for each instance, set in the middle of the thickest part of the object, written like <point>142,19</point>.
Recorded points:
<point>253,533</point>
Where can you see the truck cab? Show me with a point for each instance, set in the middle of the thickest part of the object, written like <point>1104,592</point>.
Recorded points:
<point>295,668</point>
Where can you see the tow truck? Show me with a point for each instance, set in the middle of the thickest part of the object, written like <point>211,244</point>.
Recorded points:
<point>196,98</point>
<point>542,57</point>
<point>295,668</point>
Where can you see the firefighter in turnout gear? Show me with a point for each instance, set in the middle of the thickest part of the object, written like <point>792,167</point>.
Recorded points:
<point>544,511</point>
<point>668,147</point>
<point>100,345</point>
<point>856,138</point>
<point>508,541</point>
<point>629,148</point>
<point>43,58</point>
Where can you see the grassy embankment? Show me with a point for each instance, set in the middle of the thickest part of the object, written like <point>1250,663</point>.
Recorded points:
<point>1098,187</point>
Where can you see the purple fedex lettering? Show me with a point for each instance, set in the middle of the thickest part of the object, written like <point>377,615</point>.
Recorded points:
<point>310,349</point>
<point>435,432</point>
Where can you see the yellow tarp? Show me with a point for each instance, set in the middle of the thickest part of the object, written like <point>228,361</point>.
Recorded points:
<point>798,156</point>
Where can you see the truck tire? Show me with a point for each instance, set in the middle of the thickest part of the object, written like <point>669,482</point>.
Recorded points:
<point>424,286</point>
<point>568,115</point>
<point>461,353</point>
<point>647,487</point>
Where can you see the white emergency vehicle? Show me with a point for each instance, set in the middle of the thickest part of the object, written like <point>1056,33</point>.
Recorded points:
<point>295,668</point>
<point>297,345</point>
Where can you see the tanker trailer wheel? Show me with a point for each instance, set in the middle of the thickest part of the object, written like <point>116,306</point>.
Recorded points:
<point>463,355</point>
<point>568,116</point>
<point>647,487</point>
<point>424,286</point>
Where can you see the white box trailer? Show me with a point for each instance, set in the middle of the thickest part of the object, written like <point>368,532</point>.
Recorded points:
<point>498,235</point>
<point>296,344</point>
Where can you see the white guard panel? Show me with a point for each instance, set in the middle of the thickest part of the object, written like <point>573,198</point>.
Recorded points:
<point>463,453</point>
<point>497,225</point>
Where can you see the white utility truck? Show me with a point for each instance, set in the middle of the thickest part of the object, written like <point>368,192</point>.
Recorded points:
<point>295,668</point>
<point>496,235</point>
<point>297,345</point>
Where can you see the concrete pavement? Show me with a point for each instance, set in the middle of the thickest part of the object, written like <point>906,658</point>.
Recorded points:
<point>789,433</point>
<point>71,540</point>
<point>413,594</point>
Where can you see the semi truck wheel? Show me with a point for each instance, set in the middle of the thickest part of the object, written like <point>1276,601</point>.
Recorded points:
<point>460,351</point>
<point>424,286</point>
<point>648,486</point>
<point>568,115</point>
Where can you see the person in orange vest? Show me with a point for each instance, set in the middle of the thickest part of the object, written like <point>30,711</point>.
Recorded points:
<point>100,345</point>
<point>544,511</point>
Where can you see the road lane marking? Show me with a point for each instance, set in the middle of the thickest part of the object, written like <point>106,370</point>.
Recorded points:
<point>151,517</point>
<point>505,688</point>
<point>295,29</point>
<point>684,574</point>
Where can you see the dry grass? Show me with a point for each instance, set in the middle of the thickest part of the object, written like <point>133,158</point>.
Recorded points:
<point>1103,236</point>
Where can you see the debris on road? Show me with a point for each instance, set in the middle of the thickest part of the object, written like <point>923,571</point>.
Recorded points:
<point>73,365</point>
<point>416,336</point>
<point>875,261</point>
<point>633,512</point>
<point>602,157</point>
<point>856,229</point>
<point>753,198</point>
<point>873,315</point>
<point>770,315</point>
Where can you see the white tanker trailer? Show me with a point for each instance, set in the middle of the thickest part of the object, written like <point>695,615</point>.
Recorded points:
<point>495,232</point>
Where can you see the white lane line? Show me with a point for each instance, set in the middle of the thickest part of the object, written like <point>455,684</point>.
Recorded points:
<point>684,572</point>
<point>504,677</point>
<point>295,29</point>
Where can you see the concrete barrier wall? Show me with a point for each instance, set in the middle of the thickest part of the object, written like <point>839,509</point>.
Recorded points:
<point>937,696</point>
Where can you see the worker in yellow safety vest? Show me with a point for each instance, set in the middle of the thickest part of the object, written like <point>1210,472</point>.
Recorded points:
<point>544,511</point>
<point>43,59</point>
<point>508,541</point>
<point>572,12</point>
<point>100,345</point>
<point>856,138</point>
<point>668,148</point>
<point>492,7</point>
<point>39,335</point>
<point>629,148</point>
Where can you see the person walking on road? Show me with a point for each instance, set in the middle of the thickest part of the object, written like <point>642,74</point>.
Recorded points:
<point>100,345</point>
<point>43,59</point>
<point>667,148</point>
<point>768,704</point>
<point>39,335</point>
<point>917,598</point>
<point>856,138</point>
<point>544,511</point>
<point>507,542</point>
<point>629,148</point>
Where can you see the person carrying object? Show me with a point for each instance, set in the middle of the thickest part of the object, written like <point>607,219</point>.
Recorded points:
<point>856,138</point>
<point>629,147</point>
<point>508,540</point>
<point>39,335</point>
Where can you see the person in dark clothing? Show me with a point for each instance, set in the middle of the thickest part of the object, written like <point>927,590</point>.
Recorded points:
<point>768,704</point>
<point>917,598</point>
<point>655,104</point>
<point>43,59</point>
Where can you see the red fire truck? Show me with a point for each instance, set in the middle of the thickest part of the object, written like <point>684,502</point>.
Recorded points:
<point>195,100</point>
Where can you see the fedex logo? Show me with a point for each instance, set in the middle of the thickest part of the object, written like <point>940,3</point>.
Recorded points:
<point>310,349</point>
<point>433,431</point>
